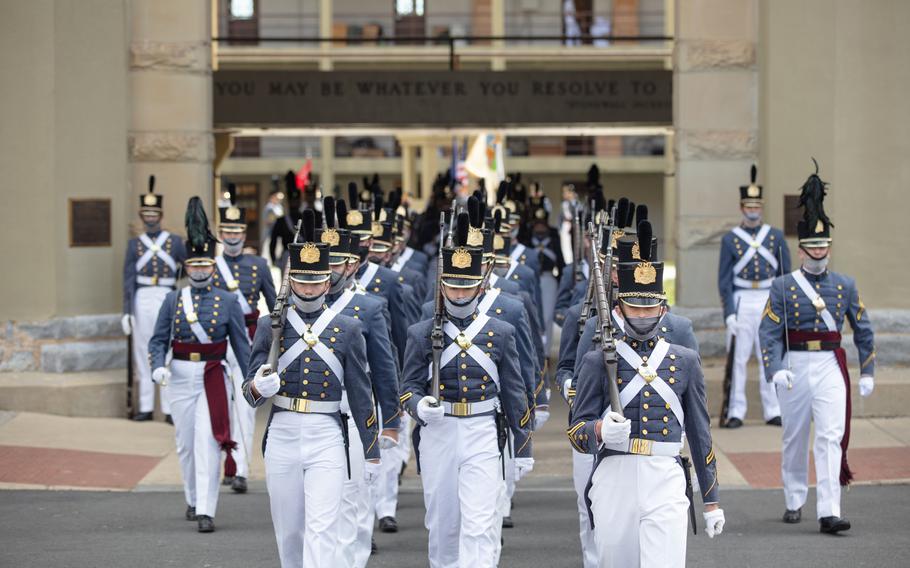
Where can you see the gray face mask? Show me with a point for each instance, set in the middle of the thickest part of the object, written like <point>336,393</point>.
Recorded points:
<point>338,282</point>
<point>752,216</point>
<point>151,226</point>
<point>461,309</point>
<point>233,247</point>
<point>813,266</point>
<point>307,304</point>
<point>201,280</point>
<point>642,329</point>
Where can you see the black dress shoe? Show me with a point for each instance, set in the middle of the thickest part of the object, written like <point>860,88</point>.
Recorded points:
<point>793,517</point>
<point>239,484</point>
<point>373,548</point>
<point>169,419</point>
<point>833,525</point>
<point>228,480</point>
<point>190,513</point>
<point>507,522</point>
<point>774,421</point>
<point>388,525</point>
<point>206,524</point>
<point>733,423</point>
<point>142,417</point>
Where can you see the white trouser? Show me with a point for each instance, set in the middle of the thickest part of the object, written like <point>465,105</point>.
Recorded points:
<point>505,502</point>
<point>305,472</point>
<point>197,449</point>
<point>146,304</point>
<point>581,472</point>
<point>818,394</point>
<point>748,318</point>
<point>243,417</point>
<point>549,288</point>
<point>385,492</point>
<point>640,512</point>
<point>355,520</point>
<point>462,482</point>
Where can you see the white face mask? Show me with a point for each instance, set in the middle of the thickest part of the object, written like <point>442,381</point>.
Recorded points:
<point>462,309</point>
<point>752,216</point>
<point>813,266</point>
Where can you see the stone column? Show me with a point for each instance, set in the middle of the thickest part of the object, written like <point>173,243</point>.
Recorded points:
<point>170,132</point>
<point>715,83</point>
<point>409,171</point>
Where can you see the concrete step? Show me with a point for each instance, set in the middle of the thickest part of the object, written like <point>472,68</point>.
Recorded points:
<point>97,394</point>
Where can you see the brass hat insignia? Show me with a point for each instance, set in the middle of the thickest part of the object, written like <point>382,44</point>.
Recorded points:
<point>330,237</point>
<point>617,234</point>
<point>636,251</point>
<point>377,229</point>
<point>475,237</point>
<point>232,214</point>
<point>819,227</point>
<point>309,253</point>
<point>498,242</point>
<point>461,258</point>
<point>355,217</point>
<point>645,273</point>
<point>753,191</point>
<point>149,199</point>
<point>540,214</point>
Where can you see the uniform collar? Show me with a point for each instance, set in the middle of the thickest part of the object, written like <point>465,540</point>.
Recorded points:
<point>232,258</point>
<point>462,323</point>
<point>307,316</point>
<point>814,277</point>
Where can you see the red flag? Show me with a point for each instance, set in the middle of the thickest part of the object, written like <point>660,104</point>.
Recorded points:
<point>303,176</point>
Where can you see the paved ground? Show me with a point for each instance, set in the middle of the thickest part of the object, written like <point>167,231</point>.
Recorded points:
<point>142,529</point>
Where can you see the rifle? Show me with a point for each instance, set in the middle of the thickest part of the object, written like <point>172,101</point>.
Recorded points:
<point>436,334</point>
<point>728,376</point>
<point>604,289</point>
<point>279,312</point>
<point>130,411</point>
<point>578,246</point>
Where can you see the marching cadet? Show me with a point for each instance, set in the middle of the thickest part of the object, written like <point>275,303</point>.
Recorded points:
<point>150,271</point>
<point>507,266</point>
<point>322,355</point>
<point>245,276</point>
<point>284,227</point>
<point>751,256</point>
<point>355,521</point>
<point>460,437</point>
<point>544,239</point>
<point>196,323</point>
<point>271,212</point>
<point>801,351</point>
<point>638,489</point>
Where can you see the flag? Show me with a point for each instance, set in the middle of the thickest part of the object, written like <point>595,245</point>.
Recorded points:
<point>303,176</point>
<point>485,159</point>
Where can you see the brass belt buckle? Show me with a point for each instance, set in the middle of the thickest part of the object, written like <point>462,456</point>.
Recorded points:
<point>641,447</point>
<point>155,280</point>
<point>195,357</point>
<point>814,345</point>
<point>647,373</point>
<point>819,304</point>
<point>461,409</point>
<point>755,284</point>
<point>300,405</point>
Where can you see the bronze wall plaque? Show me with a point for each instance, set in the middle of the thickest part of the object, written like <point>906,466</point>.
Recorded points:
<point>274,98</point>
<point>793,214</point>
<point>90,222</point>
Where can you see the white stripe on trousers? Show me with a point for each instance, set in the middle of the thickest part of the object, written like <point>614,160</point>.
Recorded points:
<point>146,304</point>
<point>581,472</point>
<point>385,492</point>
<point>462,481</point>
<point>818,395</point>
<point>355,520</point>
<point>305,472</point>
<point>748,319</point>
<point>640,512</point>
<point>197,450</point>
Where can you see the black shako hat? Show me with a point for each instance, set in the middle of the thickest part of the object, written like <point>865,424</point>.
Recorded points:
<point>751,194</point>
<point>151,201</point>
<point>641,283</point>
<point>200,242</point>
<point>232,219</point>
<point>814,231</point>
<point>309,258</point>
<point>460,262</point>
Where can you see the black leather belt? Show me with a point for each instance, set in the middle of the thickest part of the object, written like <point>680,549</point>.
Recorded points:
<point>815,345</point>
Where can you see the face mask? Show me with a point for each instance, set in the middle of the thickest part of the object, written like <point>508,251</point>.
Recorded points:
<point>200,280</point>
<point>461,309</point>
<point>308,304</point>
<point>500,270</point>
<point>642,329</point>
<point>338,282</point>
<point>752,216</point>
<point>813,266</point>
<point>151,226</point>
<point>233,247</point>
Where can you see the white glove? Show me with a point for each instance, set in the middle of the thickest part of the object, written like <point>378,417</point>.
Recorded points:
<point>161,376</point>
<point>866,385</point>
<point>266,382</point>
<point>429,413</point>
<point>730,322</point>
<point>540,418</point>
<point>127,324</point>
<point>523,467</point>
<point>714,522</point>
<point>783,379</point>
<point>614,429</point>
<point>565,388</point>
<point>371,471</point>
<point>387,442</point>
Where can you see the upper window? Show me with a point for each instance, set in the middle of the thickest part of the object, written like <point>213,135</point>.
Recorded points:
<point>409,7</point>
<point>243,9</point>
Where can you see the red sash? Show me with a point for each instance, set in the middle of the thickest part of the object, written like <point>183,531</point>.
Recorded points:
<point>215,394</point>
<point>251,319</point>
<point>846,476</point>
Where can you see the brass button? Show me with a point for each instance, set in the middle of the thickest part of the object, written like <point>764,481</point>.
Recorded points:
<point>672,368</point>
<point>464,365</point>
<point>325,384</point>
<point>644,432</point>
<point>306,382</point>
<point>322,395</point>
<point>326,373</point>
<point>464,389</point>
<point>644,418</point>
<point>490,333</point>
<point>672,380</point>
<point>645,406</point>
<point>306,371</point>
<point>665,431</point>
<point>442,387</point>
<point>464,377</point>
<point>647,393</point>
<point>304,394</point>
<point>335,329</point>
<point>489,344</point>
<point>666,418</point>
<point>667,406</point>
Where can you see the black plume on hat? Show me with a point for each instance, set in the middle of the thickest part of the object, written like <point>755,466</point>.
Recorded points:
<point>630,214</point>
<point>328,208</point>
<point>352,194</point>
<point>610,204</point>
<point>461,230</point>
<point>644,240</point>
<point>753,174</point>
<point>290,183</point>
<point>377,205</point>
<point>502,191</point>
<point>598,201</point>
<point>308,231</point>
<point>622,212</point>
<point>593,177</point>
<point>641,214</point>
<point>152,183</point>
<point>497,220</point>
<point>474,212</point>
<point>342,209</point>
<point>197,224</point>
<point>811,199</point>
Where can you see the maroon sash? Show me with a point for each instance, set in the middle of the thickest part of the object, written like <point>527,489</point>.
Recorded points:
<point>846,476</point>
<point>251,319</point>
<point>215,392</point>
